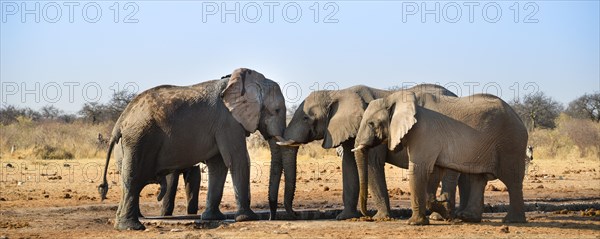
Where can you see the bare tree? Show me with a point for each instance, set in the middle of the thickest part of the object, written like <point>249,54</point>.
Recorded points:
<point>586,106</point>
<point>9,114</point>
<point>93,112</point>
<point>50,112</point>
<point>118,103</point>
<point>538,110</point>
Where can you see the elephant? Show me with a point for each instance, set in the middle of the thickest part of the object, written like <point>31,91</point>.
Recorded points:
<point>191,177</point>
<point>479,135</point>
<point>334,116</point>
<point>169,128</point>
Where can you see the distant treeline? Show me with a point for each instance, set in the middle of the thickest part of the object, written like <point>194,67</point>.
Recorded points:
<point>92,112</point>
<point>536,110</point>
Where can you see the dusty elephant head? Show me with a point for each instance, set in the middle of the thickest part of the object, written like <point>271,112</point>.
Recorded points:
<point>387,120</point>
<point>256,102</point>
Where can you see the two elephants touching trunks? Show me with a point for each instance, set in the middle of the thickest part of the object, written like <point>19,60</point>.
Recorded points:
<point>477,137</point>
<point>168,129</point>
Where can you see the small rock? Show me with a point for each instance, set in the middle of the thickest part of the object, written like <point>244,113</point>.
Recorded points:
<point>4,237</point>
<point>67,196</point>
<point>176,230</point>
<point>90,181</point>
<point>279,232</point>
<point>326,188</point>
<point>66,165</point>
<point>436,217</point>
<point>540,186</point>
<point>46,196</point>
<point>504,229</point>
<point>9,165</point>
<point>244,229</point>
<point>3,199</point>
<point>29,198</point>
<point>19,183</point>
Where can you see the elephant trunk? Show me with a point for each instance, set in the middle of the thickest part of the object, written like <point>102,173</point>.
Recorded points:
<point>363,173</point>
<point>289,169</point>
<point>274,176</point>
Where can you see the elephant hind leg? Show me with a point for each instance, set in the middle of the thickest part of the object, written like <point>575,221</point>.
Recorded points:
<point>516,210</point>
<point>129,210</point>
<point>473,210</point>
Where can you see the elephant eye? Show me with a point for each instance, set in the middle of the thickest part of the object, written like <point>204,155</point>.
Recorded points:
<point>277,111</point>
<point>305,118</point>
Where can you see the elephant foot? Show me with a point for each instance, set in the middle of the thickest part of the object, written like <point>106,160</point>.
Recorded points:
<point>192,211</point>
<point>272,210</point>
<point>245,215</point>
<point>213,214</point>
<point>466,216</point>
<point>418,220</point>
<point>292,215</point>
<point>129,224</point>
<point>348,214</point>
<point>381,215</point>
<point>511,218</point>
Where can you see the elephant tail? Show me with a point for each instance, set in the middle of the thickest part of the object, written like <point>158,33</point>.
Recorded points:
<point>116,136</point>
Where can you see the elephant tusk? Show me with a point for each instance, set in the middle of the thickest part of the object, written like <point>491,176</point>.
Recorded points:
<point>290,143</point>
<point>362,146</point>
<point>279,139</point>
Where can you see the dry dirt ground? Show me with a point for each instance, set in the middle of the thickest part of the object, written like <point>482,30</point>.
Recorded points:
<point>58,199</point>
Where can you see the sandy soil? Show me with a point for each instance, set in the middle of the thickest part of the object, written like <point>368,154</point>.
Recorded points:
<point>58,199</point>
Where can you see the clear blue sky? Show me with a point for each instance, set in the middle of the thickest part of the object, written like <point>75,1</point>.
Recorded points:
<point>369,44</point>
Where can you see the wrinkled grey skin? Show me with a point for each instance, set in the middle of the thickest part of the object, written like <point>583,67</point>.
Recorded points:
<point>191,176</point>
<point>334,116</point>
<point>170,128</point>
<point>479,135</point>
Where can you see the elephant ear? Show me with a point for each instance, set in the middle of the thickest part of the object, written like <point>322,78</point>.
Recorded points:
<point>403,116</point>
<point>243,97</point>
<point>345,114</point>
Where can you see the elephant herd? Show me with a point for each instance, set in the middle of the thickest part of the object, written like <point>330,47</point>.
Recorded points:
<point>427,129</point>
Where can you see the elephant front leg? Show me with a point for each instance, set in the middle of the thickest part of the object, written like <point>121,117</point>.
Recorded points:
<point>418,176</point>
<point>217,174</point>
<point>192,188</point>
<point>350,184</point>
<point>377,182</point>
<point>240,174</point>
<point>168,201</point>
